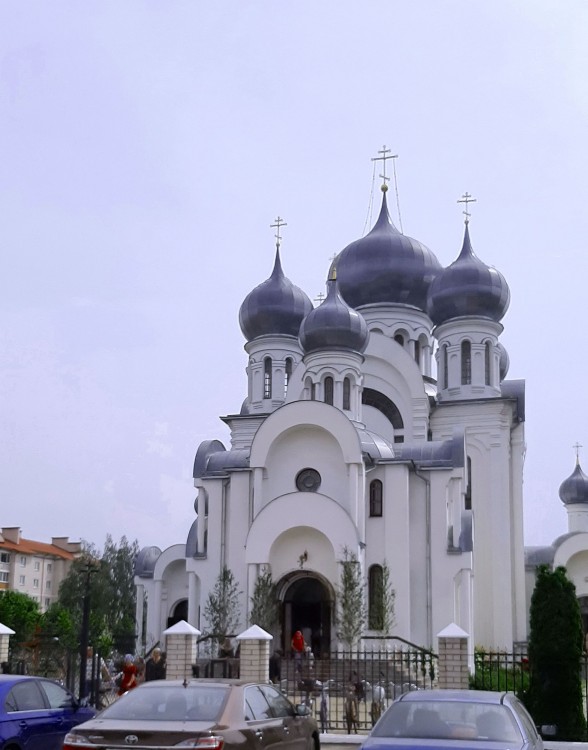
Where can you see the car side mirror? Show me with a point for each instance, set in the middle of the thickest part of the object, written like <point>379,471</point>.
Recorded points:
<point>303,710</point>
<point>548,730</point>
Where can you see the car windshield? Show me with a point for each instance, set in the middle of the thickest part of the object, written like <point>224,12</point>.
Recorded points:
<point>449,719</point>
<point>169,703</point>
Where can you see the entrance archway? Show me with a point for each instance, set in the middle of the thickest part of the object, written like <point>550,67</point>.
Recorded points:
<point>307,606</point>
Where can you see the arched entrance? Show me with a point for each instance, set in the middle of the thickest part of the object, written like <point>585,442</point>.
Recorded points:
<point>179,613</point>
<point>307,606</point>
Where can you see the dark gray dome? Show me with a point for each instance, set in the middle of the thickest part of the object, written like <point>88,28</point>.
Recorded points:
<point>468,287</point>
<point>276,306</point>
<point>574,489</point>
<point>386,266</point>
<point>145,562</point>
<point>503,362</point>
<point>333,325</point>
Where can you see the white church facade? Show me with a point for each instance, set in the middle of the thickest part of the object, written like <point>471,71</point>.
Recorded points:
<point>347,441</point>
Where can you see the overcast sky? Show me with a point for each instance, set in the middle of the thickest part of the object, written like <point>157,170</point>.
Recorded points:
<point>146,147</point>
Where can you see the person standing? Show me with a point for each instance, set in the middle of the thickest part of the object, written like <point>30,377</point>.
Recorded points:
<point>128,679</point>
<point>155,666</point>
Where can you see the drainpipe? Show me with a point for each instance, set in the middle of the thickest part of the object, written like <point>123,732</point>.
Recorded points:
<point>428,564</point>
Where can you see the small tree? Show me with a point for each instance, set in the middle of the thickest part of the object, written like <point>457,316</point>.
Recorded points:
<point>382,600</point>
<point>555,654</point>
<point>20,613</point>
<point>221,611</point>
<point>264,602</point>
<point>350,600</point>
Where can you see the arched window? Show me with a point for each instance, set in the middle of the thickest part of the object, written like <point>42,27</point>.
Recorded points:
<point>329,390</point>
<point>487,352</point>
<point>287,375</point>
<point>375,598</point>
<point>267,377</point>
<point>312,391</point>
<point>399,339</point>
<point>445,366</point>
<point>468,492</point>
<point>466,363</point>
<point>347,394</point>
<point>375,498</point>
<point>417,352</point>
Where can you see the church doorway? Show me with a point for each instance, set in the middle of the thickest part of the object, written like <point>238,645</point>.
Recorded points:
<point>307,606</point>
<point>178,613</point>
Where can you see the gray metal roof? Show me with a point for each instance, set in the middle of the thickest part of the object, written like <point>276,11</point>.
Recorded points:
<point>145,562</point>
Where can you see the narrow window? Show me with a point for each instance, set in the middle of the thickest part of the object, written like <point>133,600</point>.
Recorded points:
<point>487,363</point>
<point>267,378</point>
<point>347,394</point>
<point>287,375</point>
<point>329,390</point>
<point>468,492</point>
<point>445,367</point>
<point>375,598</point>
<point>312,391</point>
<point>417,352</point>
<point>375,498</point>
<point>466,363</point>
<point>399,338</point>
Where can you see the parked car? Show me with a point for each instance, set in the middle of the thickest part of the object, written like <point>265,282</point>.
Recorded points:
<point>455,719</point>
<point>37,713</point>
<point>210,714</point>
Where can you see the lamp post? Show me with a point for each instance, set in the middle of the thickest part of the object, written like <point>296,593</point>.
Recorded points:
<point>84,635</point>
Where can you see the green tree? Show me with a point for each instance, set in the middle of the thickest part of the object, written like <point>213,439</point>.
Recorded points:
<point>20,613</point>
<point>264,602</point>
<point>382,601</point>
<point>107,579</point>
<point>555,653</point>
<point>222,609</point>
<point>350,600</point>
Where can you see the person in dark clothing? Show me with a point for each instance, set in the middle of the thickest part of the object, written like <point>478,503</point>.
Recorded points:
<point>275,666</point>
<point>155,666</point>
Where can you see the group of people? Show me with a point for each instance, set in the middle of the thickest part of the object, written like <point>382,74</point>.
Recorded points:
<point>134,671</point>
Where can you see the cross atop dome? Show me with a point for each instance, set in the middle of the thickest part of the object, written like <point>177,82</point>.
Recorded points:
<point>386,154</point>
<point>467,199</point>
<point>577,447</point>
<point>279,223</point>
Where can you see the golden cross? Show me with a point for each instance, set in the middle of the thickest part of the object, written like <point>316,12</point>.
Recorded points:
<point>386,154</point>
<point>467,198</point>
<point>279,223</point>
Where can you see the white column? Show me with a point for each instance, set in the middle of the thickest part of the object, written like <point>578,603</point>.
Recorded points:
<point>140,588</point>
<point>156,606</point>
<point>192,598</point>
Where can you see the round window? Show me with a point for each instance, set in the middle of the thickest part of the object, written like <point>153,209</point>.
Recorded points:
<point>308,480</point>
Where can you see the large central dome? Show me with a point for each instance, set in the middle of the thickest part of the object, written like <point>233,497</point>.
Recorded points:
<point>386,266</point>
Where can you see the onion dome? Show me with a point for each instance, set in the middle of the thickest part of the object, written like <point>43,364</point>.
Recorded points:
<point>503,362</point>
<point>468,288</point>
<point>386,266</point>
<point>333,325</point>
<point>276,306</point>
<point>574,489</point>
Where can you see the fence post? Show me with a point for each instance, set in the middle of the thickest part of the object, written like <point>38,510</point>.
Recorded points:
<point>5,633</point>
<point>254,654</point>
<point>181,640</point>
<point>453,658</point>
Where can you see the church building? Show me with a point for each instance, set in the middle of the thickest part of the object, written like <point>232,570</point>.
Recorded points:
<point>378,425</point>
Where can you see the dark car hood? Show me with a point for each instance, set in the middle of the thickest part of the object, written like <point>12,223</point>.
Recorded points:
<point>401,743</point>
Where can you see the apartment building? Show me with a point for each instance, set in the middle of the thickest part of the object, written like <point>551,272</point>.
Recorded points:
<point>35,568</point>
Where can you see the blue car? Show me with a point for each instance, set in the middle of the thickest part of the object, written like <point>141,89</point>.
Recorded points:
<point>37,713</point>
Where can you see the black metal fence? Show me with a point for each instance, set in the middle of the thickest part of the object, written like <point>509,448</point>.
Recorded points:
<point>348,690</point>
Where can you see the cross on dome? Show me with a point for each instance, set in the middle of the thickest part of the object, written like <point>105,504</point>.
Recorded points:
<point>279,223</point>
<point>577,447</point>
<point>467,199</point>
<point>386,154</point>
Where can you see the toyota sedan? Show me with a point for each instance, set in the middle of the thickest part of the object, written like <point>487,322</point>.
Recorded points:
<point>211,714</point>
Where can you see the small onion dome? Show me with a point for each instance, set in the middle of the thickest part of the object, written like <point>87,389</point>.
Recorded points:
<point>386,266</point>
<point>574,489</point>
<point>503,362</point>
<point>468,287</point>
<point>333,325</point>
<point>276,306</point>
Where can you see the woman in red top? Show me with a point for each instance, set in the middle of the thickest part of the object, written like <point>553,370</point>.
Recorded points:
<point>129,675</point>
<point>298,644</point>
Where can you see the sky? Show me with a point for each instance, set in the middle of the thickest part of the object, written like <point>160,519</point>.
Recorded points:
<point>145,149</point>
